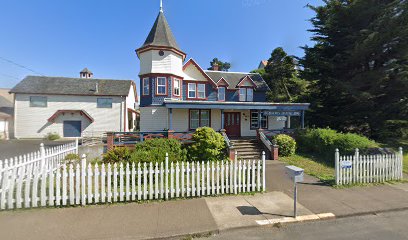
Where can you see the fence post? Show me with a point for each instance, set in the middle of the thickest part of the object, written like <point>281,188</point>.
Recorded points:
<point>336,164</point>
<point>355,161</point>
<point>263,172</point>
<point>401,154</point>
<point>76,146</point>
<point>42,152</point>
<point>83,175</point>
<point>166,174</point>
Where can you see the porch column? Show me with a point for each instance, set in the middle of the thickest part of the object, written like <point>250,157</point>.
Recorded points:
<point>289,122</point>
<point>222,118</point>
<point>259,118</point>
<point>170,119</point>
<point>303,119</point>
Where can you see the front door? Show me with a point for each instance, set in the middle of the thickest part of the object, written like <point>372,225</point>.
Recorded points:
<point>232,124</point>
<point>72,128</point>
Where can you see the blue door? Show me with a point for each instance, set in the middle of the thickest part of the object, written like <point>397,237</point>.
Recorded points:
<point>72,128</point>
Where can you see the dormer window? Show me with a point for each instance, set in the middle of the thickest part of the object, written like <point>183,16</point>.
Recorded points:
<point>201,90</point>
<point>221,94</point>
<point>246,95</point>
<point>161,86</point>
<point>192,90</point>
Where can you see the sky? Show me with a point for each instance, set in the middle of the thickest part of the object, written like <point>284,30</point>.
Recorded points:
<point>61,37</point>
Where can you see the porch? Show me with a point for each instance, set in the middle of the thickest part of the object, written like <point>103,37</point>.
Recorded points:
<point>239,119</point>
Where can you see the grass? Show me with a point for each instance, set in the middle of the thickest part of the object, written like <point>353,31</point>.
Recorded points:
<point>313,166</point>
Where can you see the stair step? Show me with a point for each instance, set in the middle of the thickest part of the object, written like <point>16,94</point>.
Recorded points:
<point>248,149</point>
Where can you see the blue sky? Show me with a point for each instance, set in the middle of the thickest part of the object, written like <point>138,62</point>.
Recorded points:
<point>60,37</point>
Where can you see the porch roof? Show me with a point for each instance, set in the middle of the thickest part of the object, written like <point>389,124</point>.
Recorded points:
<point>81,112</point>
<point>182,104</point>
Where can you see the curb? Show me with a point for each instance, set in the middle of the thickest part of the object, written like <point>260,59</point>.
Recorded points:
<point>372,212</point>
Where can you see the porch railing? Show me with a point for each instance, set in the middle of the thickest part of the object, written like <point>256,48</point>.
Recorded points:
<point>270,148</point>
<point>230,146</point>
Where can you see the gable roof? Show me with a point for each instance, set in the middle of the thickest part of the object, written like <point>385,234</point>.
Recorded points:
<point>234,78</point>
<point>6,99</point>
<point>73,86</point>
<point>161,35</point>
<point>195,64</point>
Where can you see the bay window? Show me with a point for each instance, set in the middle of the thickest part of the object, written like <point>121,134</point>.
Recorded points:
<point>199,118</point>
<point>161,86</point>
<point>176,88</point>
<point>192,90</point>
<point>146,86</point>
<point>221,94</point>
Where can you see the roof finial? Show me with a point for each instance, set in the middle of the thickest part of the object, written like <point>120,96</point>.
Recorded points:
<point>161,5</point>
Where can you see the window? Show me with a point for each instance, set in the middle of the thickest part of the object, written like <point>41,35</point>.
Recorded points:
<point>161,86</point>
<point>146,86</point>
<point>250,94</point>
<point>201,90</point>
<point>255,120</point>
<point>221,94</point>
<point>246,94</point>
<point>192,90</point>
<point>242,93</point>
<point>37,101</point>
<point>199,118</point>
<point>104,102</point>
<point>176,87</point>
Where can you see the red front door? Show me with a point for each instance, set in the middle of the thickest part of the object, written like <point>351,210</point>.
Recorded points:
<point>232,123</point>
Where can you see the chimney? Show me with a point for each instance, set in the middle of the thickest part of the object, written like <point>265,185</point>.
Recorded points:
<point>215,67</point>
<point>85,73</point>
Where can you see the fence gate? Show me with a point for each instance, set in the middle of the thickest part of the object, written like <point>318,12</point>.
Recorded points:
<point>358,168</point>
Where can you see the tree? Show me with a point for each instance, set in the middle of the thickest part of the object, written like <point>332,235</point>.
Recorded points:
<point>281,75</point>
<point>358,67</point>
<point>223,66</point>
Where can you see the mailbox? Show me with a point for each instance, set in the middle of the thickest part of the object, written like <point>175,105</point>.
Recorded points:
<point>295,173</point>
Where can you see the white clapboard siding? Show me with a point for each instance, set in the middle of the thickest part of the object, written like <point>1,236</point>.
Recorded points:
<point>368,168</point>
<point>30,186</point>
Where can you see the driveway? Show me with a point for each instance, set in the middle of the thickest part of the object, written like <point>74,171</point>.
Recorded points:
<point>13,148</point>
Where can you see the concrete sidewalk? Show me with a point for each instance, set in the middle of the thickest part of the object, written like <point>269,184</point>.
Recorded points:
<point>319,198</point>
<point>119,221</point>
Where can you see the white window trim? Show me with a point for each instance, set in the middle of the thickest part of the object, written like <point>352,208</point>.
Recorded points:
<point>244,95</point>
<point>198,91</point>
<point>223,99</point>
<point>144,85</point>
<point>157,86</point>
<point>194,91</point>
<point>179,87</point>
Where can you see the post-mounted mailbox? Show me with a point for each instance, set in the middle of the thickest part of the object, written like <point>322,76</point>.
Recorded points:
<point>295,173</point>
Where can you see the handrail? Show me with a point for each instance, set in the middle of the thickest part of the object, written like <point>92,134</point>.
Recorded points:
<point>264,139</point>
<point>226,139</point>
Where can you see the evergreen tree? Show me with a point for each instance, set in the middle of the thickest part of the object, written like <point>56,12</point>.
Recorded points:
<point>358,67</point>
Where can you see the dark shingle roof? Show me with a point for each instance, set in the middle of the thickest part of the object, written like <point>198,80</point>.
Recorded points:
<point>161,34</point>
<point>72,86</point>
<point>85,70</point>
<point>233,78</point>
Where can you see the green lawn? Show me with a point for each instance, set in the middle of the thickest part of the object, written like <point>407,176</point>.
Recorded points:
<point>312,166</point>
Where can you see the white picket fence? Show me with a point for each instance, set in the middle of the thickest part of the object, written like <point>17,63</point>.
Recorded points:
<point>82,184</point>
<point>368,168</point>
<point>47,159</point>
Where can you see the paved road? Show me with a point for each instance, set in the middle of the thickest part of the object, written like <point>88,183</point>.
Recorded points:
<point>14,148</point>
<point>390,226</point>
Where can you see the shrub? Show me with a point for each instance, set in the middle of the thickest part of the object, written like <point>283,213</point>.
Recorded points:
<point>208,145</point>
<point>325,141</point>
<point>154,150</point>
<point>116,155</point>
<point>52,136</point>
<point>72,158</point>
<point>287,145</point>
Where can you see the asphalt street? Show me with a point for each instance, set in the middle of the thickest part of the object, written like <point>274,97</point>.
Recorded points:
<point>384,226</point>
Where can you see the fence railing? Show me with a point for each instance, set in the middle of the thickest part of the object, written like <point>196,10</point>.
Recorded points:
<point>45,159</point>
<point>83,184</point>
<point>368,168</point>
